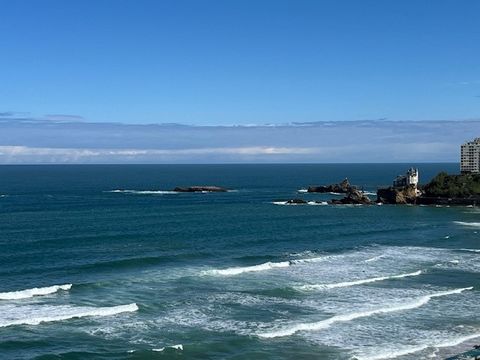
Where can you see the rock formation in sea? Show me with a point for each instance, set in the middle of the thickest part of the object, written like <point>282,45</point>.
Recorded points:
<point>342,187</point>
<point>398,195</point>
<point>296,202</point>
<point>354,196</point>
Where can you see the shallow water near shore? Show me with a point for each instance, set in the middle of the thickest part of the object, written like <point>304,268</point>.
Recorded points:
<point>107,262</point>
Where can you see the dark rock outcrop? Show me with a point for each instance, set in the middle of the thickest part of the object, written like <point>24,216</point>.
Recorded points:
<point>354,196</point>
<point>296,202</point>
<point>200,189</point>
<point>393,195</point>
<point>342,187</point>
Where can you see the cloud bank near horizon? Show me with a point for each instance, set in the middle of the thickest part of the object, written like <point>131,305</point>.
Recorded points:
<point>26,140</point>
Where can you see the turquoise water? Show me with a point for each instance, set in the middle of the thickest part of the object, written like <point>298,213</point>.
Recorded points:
<point>230,275</point>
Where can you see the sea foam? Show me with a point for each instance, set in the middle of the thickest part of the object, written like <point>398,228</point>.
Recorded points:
<point>323,324</point>
<point>28,293</point>
<point>394,353</point>
<point>471,250</point>
<point>470,224</point>
<point>240,270</point>
<point>175,347</point>
<point>144,192</point>
<point>356,282</point>
<point>27,315</point>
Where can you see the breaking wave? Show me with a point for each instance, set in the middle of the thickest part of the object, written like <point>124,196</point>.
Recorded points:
<point>356,282</point>
<point>42,314</point>
<point>240,270</point>
<point>323,324</point>
<point>471,224</point>
<point>265,266</point>
<point>28,293</point>
<point>302,190</point>
<point>144,192</point>
<point>312,203</point>
<point>175,347</point>
<point>391,354</point>
<point>471,250</point>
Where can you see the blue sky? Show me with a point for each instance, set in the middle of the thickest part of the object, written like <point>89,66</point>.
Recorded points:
<point>238,63</point>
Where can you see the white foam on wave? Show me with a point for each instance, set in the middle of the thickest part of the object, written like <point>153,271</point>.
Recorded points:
<point>28,315</point>
<point>312,203</point>
<point>356,282</point>
<point>323,324</point>
<point>302,190</point>
<point>369,193</point>
<point>313,259</point>
<point>375,258</point>
<point>28,293</point>
<point>317,203</point>
<point>470,224</point>
<point>245,269</point>
<point>471,250</point>
<point>176,347</point>
<point>144,192</point>
<point>394,353</point>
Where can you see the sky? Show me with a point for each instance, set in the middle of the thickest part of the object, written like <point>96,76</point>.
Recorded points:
<point>106,66</point>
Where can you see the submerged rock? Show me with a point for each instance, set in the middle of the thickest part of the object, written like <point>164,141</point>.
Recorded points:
<point>200,189</point>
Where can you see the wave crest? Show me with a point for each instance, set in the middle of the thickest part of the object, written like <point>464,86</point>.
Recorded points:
<point>323,324</point>
<point>470,224</point>
<point>28,293</point>
<point>240,270</point>
<point>357,282</point>
<point>144,192</point>
<point>58,313</point>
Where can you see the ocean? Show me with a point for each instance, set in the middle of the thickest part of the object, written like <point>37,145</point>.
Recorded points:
<point>106,262</point>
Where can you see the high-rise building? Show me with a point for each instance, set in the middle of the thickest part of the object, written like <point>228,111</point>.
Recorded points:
<point>470,157</point>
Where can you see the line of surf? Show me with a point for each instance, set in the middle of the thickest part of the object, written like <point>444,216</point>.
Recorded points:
<point>144,192</point>
<point>323,324</point>
<point>245,269</point>
<point>471,250</point>
<point>392,354</point>
<point>263,267</point>
<point>66,313</point>
<point>356,282</point>
<point>470,224</point>
<point>311,203</point>
<point>28,293</point>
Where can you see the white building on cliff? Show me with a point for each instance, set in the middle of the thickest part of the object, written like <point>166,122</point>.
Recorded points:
<point>410,178</point>
<point>470,157</point>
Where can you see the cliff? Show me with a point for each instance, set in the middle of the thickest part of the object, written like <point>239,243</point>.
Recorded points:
<point>391,195</point>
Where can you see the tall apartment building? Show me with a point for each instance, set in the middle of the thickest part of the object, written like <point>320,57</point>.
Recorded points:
<point>470,157</point>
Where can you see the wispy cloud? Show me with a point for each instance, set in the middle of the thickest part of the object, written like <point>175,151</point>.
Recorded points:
<point>64,117</point>
<point>27,117</point>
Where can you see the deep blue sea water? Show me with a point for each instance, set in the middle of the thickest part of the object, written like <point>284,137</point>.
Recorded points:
<point>230,275</point>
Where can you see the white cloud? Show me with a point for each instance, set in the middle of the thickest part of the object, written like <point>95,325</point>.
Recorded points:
<point>21,154</point>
